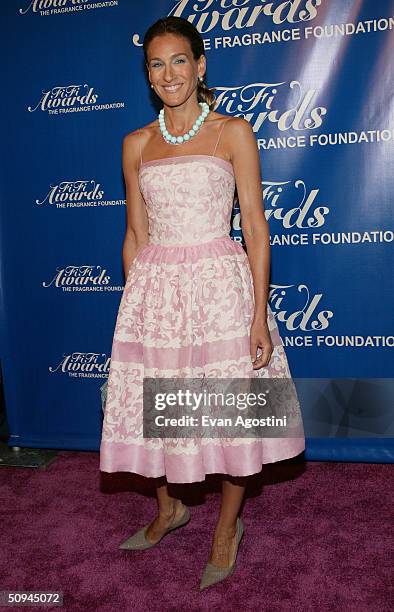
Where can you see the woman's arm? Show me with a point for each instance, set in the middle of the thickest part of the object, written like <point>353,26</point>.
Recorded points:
<point>255,229</point>
<point>137,219</point>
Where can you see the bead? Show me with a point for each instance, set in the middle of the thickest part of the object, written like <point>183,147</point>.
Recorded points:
<point>180,139</point>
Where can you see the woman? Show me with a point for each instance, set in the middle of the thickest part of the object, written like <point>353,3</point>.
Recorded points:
<point>194,303</point>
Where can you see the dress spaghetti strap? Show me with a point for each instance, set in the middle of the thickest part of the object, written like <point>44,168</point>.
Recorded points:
<point>220,133</point>
<point>139,142</point>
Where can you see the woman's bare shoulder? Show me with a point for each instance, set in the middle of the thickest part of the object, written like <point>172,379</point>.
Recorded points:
<point>140,135</point>
<point>238,133</point>
<point>238,124</point>
<point>218,117</point>
<point>236,127</point>
<point>238,130</point>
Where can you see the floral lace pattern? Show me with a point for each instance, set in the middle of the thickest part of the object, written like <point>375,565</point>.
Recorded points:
<point>187,200</point>
<point>174,305</point>
<point>186,311</point>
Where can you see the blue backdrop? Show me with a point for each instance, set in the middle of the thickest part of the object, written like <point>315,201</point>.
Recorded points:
<point>314,79</point>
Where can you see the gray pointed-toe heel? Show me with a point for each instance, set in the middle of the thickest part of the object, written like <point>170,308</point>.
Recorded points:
<point>138,541</point>
<point>212,573</point>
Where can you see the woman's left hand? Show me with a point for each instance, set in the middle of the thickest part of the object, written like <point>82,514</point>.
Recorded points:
<point>260,338</point>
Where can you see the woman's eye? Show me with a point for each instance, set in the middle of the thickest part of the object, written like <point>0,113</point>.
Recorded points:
<point>158,64</point>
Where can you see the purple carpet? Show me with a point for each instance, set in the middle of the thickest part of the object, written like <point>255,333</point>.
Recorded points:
<point>317,537</point>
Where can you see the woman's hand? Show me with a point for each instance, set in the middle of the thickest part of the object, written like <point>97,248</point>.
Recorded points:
<point>260,338</point>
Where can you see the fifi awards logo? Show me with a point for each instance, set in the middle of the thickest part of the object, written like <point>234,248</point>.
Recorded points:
<point>76,98</point>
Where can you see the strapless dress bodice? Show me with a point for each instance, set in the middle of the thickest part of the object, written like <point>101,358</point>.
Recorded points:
<point>189,198</point>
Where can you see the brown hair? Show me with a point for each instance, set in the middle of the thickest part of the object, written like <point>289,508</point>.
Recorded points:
<point>182,27</point>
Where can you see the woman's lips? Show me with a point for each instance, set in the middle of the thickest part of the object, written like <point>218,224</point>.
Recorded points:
<point>172,88</point>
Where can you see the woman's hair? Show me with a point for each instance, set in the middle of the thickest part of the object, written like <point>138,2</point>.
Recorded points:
<point>182,27</point>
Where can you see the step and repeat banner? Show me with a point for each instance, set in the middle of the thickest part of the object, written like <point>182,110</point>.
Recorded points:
<point>314,79</point>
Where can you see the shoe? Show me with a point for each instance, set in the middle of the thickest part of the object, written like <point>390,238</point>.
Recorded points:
<point>212,573</point>
<point>138,541</point>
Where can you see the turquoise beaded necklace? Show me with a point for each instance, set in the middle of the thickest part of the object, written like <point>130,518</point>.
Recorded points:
<point>194,130</point>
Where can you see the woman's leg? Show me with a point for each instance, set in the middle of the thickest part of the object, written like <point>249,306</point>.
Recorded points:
<point>170,509</point>
<point>224,539</point>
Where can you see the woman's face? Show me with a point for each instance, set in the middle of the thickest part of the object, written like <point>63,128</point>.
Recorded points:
<point>173,71</point>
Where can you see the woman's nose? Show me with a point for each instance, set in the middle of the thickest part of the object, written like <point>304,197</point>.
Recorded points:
<point>168,73</point>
